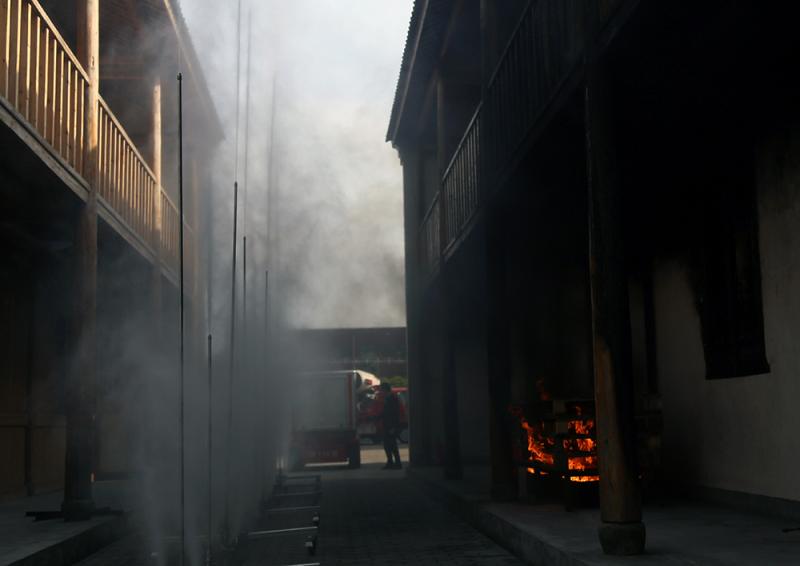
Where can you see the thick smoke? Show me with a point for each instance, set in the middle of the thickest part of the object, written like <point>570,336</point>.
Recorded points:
<point>334,249</point>
<point>337,241</point>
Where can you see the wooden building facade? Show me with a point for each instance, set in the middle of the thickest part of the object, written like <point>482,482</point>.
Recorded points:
<point>601,206</point>
<point>90,223</point>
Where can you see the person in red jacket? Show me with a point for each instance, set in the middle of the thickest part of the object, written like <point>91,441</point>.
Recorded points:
<point>391,428</point>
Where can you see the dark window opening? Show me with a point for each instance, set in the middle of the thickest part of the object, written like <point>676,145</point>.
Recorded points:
<point>730,302</point>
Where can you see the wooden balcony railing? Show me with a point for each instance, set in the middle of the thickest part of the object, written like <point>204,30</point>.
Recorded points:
<point>125,181</point>
<point>461,183</point>
<point>546,46</point>
<point>170,236</point>
<point>430,251</point>
<point>41,78</point>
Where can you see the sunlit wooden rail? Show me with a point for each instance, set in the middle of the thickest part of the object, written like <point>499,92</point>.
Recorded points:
<point>170,236</point>
<point>125,180</point>
<point>42,79</point>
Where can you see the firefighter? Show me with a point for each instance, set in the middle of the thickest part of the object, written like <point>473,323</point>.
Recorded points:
<point>391,428</point>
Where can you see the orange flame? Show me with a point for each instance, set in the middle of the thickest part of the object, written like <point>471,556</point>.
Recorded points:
<point>537,443</point>
<point>586,462</point>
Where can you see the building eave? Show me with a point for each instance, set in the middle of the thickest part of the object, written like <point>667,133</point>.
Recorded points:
<point>426,33</point>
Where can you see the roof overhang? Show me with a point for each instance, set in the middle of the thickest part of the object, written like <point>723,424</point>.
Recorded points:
<point>426,34</point>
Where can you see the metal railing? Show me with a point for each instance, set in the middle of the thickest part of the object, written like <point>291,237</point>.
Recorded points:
<point>42,79</point>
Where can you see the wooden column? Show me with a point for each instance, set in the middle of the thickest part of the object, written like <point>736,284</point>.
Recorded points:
<point>157,133</point>
<point>410,159</point>
<point>450,412</point>
<point>503,472</point>
<point>80,391</point>
<point>621,531</point>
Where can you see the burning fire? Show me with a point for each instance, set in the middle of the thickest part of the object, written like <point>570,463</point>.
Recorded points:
<point>537,443</point>
<point>586,462</point>
<point>540,446</point>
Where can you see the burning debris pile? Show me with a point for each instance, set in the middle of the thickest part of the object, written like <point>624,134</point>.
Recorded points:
<point>559,441</point>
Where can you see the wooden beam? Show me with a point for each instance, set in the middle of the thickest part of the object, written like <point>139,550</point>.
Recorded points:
<point>621,531</point>
<point>81,388</point>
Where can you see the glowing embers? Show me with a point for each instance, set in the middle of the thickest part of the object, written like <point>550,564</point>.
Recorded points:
<point>582,441</point>
<point>560,440</point>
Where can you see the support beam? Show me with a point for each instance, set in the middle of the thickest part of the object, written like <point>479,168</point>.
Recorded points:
<point>622,531</point>
<point>503,473</point>
<point>81,387</point>
<point>444,142</point>
<point>418,430</point>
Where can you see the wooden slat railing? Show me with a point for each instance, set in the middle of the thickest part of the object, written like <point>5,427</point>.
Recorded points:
<point>42,79</point>
<point>124,180</point>
<point>170,243</point>
<point>430,251</point>
<point>547,44</point>
<point>461,183</point>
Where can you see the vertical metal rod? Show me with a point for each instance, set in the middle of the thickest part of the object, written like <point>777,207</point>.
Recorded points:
<point>271,177</point>
<point>231,368</point>
<point>232,365</point>
<point>264,387</point>
<point>180,240</point>
<point>244,294</point>
<point>210,455</point>
<point>266,316</point>
<point>244,190</point>
<point>238,81</point>
<point>246,126</point>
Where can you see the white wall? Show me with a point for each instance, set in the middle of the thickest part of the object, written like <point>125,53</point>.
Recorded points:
<point>742,433</point>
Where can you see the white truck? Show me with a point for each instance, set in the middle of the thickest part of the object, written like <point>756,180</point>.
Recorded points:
<point>324,419</point>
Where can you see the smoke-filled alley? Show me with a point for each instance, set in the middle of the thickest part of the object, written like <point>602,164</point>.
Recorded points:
<point>354,282</point>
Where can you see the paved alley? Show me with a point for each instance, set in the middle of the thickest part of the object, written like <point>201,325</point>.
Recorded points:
<point>376,516</point>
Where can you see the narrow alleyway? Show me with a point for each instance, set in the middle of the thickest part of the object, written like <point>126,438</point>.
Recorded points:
<point>375,516</point>
<point>368,516</point>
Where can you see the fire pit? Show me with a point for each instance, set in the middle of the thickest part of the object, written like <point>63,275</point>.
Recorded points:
<point>556,444</point>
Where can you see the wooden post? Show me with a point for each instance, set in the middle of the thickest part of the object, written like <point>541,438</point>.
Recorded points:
<point>503,472</point>
<point>452,432</point>
<point>80,393</point>
<point>419,432</point>
<point>622,531</point>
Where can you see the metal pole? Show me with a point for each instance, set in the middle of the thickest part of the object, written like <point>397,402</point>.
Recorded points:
<point>271,177</point>
<point>210,455</point>
<point>244,293</point>
<point>244,189</point>
<point>264,388</point>
<point>238,81</point>
<point>232,365</point>
<point>180,240</point>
